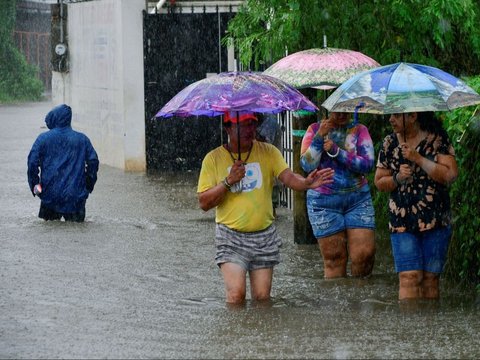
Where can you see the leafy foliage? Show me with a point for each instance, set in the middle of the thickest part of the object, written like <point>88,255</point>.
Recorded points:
<point>464,252</point>
<point>438,33</point>
<point>18,79</point>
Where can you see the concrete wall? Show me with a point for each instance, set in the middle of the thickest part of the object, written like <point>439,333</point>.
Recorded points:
<point>105,84</point>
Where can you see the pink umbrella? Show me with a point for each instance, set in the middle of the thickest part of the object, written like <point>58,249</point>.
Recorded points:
<point>324,68</point>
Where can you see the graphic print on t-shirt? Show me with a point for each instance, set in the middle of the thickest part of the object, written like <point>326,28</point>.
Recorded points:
<point>252,179</point>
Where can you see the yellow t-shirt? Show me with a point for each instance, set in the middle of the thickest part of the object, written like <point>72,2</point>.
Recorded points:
<point>251,209</point>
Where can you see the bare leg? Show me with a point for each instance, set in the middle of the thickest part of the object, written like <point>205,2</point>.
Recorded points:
<point>410,284</point>
<point>334,253</point>
<point>430,285</point>
<point>234,277</point>
<point>361,249</point>
<point>261,283</point>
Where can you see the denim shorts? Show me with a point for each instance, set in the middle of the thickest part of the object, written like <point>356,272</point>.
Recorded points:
<point>331,214</point>
<point>426,250</point>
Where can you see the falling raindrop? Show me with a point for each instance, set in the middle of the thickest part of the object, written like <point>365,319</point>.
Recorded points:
<point>170,65</point>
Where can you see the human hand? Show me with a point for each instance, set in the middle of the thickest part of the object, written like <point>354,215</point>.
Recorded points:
<point>327,144</point>
<point>405,173</point>
<point>408,152</point>
<point>319,177</point>
<point>325,126</point>
<point>37,189</point>
<point>237,172</point>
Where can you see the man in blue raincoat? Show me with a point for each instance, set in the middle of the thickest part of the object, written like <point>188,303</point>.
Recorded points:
<point>62,168</point>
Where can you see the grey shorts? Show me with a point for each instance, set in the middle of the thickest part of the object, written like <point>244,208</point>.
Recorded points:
<point>252,251</point>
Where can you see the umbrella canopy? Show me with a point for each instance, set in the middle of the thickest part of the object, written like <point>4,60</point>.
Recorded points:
<point>401,88</point>
<point>322,68</point>
<point>236,92</point>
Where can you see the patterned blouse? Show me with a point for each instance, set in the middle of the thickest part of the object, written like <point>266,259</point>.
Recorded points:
<point>422,204</point>
<point>355,157</point>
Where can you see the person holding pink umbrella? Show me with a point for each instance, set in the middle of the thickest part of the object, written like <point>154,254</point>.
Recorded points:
<point>341,212</point>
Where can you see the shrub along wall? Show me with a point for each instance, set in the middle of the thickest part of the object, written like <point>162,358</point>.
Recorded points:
<point>464,255</point>
<point>18,79</point>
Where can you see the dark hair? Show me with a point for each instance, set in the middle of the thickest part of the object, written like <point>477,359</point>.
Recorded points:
<point>430,123</point>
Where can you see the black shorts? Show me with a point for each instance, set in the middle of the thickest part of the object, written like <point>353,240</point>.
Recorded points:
<point>49,214</point>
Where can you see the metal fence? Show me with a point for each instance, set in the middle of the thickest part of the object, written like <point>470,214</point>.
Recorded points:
<point>36,48</point>
<point>285,122</point>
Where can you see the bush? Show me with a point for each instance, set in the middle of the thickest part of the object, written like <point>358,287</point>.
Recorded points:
<point>463,265</point>
<point>18,80</point>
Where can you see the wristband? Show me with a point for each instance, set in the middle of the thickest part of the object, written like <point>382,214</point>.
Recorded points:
<point>226,184</point>
<point>395,180</point>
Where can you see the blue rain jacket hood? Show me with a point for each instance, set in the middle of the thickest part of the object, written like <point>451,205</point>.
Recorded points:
<point>60,116</point>
<point>64,162</point>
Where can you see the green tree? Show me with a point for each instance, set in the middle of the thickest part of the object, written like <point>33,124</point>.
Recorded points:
<point>18,79</point>
<point>440,33</point>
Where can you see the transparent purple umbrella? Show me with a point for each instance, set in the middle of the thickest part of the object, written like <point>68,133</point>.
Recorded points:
<point>238,92</point>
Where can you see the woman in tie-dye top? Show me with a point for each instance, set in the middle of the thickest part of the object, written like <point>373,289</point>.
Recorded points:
<point>341,213</point>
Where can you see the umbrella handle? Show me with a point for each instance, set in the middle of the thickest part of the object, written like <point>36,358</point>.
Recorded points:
<point>405,161</point>
<point>355,112</point>
<point>238,136</point>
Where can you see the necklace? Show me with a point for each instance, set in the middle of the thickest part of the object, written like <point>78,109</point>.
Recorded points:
<point>233,158</point>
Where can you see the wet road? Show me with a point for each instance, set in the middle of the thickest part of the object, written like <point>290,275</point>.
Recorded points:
<point>137,280</point>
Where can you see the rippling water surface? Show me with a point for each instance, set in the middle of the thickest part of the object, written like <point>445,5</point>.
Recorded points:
<point>138,280</point>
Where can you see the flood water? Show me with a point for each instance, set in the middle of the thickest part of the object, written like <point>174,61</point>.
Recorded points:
<point>138,280</point>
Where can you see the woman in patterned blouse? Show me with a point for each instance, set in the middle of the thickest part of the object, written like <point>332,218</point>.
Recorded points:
<point>417,173</point>
<point>341,213</point>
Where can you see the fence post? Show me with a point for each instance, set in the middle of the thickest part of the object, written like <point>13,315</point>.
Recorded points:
<point>302,231</point>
